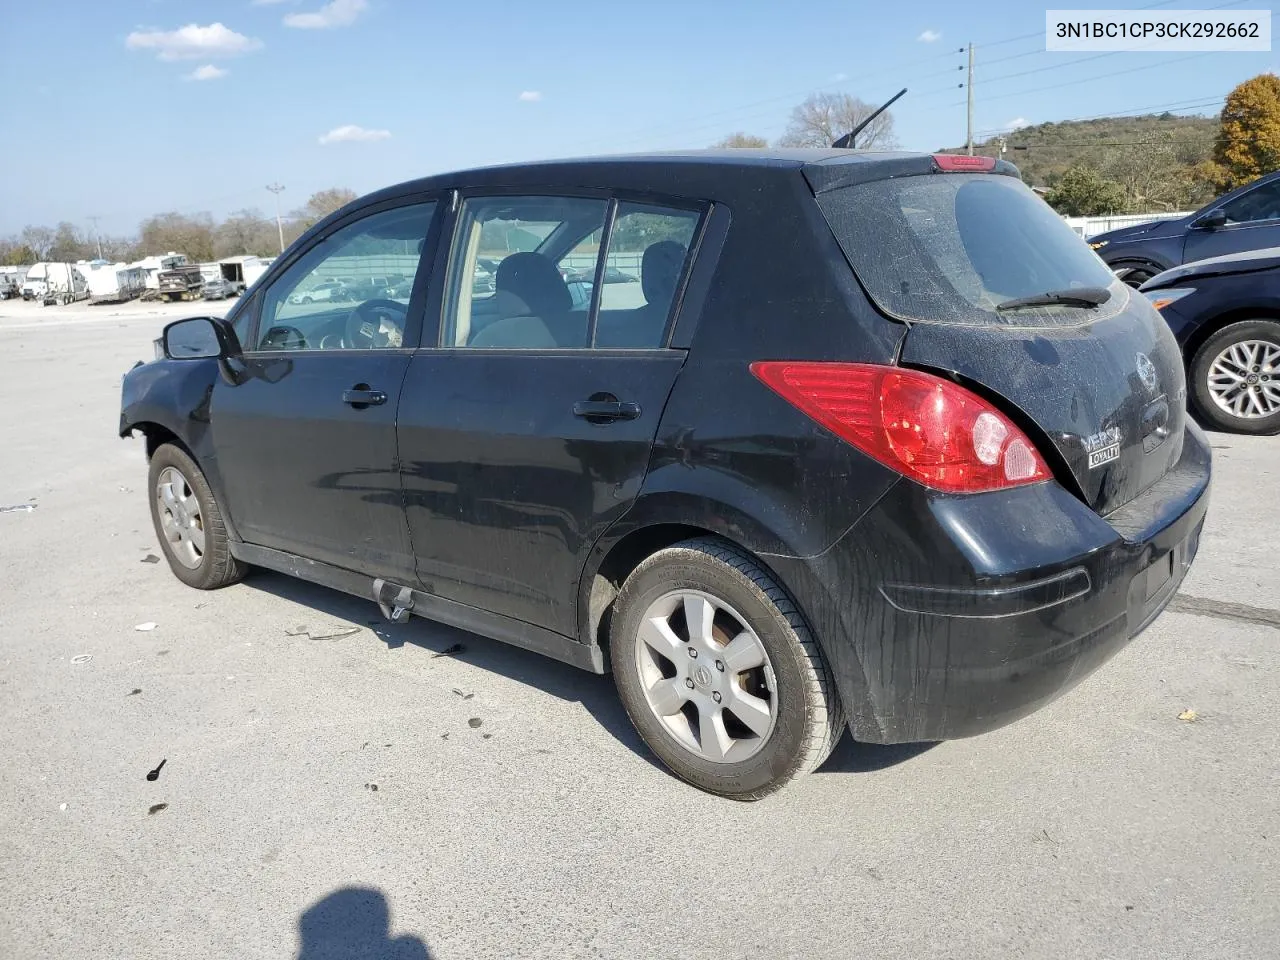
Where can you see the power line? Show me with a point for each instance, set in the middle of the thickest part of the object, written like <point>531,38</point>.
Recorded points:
<point>1100,76</point>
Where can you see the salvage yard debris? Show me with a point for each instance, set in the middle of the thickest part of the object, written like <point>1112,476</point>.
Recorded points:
<point>329,633</point>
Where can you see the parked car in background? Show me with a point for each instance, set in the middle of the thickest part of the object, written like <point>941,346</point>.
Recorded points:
<point>9,286</point>
<point>588,275</point>
<point>328,290</point>
<point>1247,218</point>
<point>218,287</point>
<point>888,449</point>
<point>1225,314</point>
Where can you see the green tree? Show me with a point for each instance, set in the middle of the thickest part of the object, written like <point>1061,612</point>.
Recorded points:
<point>742,140</point>
<point>16,254</point>
<point>1082,192</point>
<point>1248,143</point>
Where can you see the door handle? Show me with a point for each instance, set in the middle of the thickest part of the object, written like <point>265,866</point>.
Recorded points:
<point>361,396</point>
<point>605,411</point>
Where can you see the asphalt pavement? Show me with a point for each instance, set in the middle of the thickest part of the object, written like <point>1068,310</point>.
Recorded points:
<point>332,786</point>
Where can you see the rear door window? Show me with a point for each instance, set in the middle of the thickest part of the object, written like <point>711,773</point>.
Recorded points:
<point>948,248</point>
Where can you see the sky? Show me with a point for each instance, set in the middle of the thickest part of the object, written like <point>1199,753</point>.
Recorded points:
<point>127,108</point>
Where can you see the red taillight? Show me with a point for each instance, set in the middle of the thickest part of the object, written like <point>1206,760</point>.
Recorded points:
<point>922,426</point>
<point>963,163</point>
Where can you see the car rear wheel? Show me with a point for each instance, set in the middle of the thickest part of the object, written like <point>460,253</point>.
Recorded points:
<point>188,522</point>
<point>1235,377</point>
<point>719,672</point>
<point>1135,274</point>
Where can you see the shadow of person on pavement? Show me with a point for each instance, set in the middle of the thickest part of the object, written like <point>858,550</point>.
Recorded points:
<point>354,924</point>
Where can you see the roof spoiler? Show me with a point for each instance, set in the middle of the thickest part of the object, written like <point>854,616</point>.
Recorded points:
<point>847,141</point>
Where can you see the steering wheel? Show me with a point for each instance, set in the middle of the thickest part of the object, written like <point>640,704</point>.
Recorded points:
<point>375,323</point>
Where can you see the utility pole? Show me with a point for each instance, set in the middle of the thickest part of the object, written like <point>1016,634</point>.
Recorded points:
<point>277,188</point>
<point>97,236</point>
<point>969,87</point>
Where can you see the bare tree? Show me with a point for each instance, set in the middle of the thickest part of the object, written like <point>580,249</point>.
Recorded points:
<point>742,140</point>
<point>826,117</point>
<point>323,203</point>
<point>245,231</point>
<point>69,245</point>
<point>192,235</point>
<point>39,240</point>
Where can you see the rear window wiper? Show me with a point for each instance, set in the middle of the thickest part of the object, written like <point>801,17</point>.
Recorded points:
<point>1075,297</point>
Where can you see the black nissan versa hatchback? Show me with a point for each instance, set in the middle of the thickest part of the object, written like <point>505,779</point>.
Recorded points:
<point>875,441</point>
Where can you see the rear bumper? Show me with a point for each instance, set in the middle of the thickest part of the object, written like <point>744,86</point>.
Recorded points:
<point>946,617</point>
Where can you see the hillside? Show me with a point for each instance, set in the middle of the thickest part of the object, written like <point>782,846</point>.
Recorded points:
<point>1152,157</point>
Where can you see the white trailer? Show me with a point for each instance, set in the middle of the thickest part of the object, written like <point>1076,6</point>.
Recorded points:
<point>114,282</point>
<point>52,283</point>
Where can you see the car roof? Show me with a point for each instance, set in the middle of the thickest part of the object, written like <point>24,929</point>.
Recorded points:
<point>693,172</point>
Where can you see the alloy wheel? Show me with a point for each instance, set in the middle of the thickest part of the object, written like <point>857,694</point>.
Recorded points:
<point>706,676</point>
<point>180,517</point>
<point>1244,379</point>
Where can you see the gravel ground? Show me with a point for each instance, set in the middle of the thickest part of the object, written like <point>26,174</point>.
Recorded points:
<point>331,796</point>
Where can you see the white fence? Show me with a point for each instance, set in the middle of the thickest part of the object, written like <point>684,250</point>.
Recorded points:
<point>1091,226</point>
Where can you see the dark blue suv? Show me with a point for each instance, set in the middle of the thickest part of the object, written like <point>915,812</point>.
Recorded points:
<point>1248,218</point>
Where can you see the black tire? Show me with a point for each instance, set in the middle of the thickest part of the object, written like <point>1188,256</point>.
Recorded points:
<point>1267,331</point>
<point>217,568</point>
<point>809,718</point>
<point>1138,273</point>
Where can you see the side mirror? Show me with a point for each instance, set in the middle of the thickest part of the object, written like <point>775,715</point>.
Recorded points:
<point>198,338</point>
<point>1212,220</point>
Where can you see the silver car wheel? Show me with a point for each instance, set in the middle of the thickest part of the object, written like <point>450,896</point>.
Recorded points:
<point>1244,379</point>
<point>706,676</point>
<point>180,518</point>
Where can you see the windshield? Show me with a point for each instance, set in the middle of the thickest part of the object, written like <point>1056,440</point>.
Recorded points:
<point>949,248</point>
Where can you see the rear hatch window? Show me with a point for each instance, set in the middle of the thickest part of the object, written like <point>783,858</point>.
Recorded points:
<point>953,248</point>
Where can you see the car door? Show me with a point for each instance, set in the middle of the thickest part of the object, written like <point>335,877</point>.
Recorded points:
<point>305,440</point>
<point>1253,222</point>
<point>528,429</point>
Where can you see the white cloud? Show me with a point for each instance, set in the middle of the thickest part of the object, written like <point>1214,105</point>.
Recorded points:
<point>335,13</point>
<point>207,72</point>
<point>193,42</point>
<point>350,133</point>
<point>839,78</point>
<point>530,96</point>
<point>930,36</point>
<point>1016,123</point>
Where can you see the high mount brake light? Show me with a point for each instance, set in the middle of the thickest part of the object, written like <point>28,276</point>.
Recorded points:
<point>923,427</point>
<point>963,163</point>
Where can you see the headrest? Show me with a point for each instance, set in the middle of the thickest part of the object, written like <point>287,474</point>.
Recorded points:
<point>660,271</point>
<point>535,280</point>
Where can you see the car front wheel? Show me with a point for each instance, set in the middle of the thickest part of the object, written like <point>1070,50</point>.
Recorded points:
<point>1235,377</point>
<point>719,673</point>
<point>188,522</point>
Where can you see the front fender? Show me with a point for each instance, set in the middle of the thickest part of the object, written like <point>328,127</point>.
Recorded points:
<point>173,394</point>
